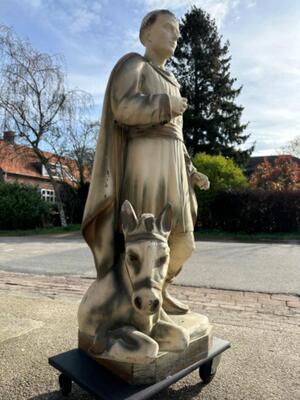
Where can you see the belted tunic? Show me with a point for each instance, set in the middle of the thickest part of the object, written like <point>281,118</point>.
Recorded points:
<point>144,159</point>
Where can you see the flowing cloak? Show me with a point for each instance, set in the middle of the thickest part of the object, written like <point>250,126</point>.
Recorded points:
<point>140,156</point>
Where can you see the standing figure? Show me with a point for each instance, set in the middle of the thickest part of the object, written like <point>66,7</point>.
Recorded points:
<point>141,156</point>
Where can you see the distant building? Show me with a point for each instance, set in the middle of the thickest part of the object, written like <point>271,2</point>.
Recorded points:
<point>255,161</point>
<point>19,163</point>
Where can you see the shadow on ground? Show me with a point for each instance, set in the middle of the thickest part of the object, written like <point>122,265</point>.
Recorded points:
<point>184,393</point>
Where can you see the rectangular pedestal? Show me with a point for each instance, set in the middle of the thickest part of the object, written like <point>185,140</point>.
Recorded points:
<point>166,364</point>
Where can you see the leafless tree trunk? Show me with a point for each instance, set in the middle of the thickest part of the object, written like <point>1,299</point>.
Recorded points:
<point>33,98</point>
<point>77,146</point>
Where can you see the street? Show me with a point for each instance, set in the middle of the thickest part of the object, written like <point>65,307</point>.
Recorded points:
<point>260,267</point>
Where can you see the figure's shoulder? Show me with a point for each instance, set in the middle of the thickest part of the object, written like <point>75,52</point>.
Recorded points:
<point>130,61</point>
<point>132,57</point>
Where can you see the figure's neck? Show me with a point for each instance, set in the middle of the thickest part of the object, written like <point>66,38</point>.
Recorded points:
<point>156,59</point>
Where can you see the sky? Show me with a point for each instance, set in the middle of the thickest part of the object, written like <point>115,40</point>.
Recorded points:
<point>264,37</point>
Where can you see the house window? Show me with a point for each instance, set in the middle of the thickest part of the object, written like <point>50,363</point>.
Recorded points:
<point>48,195</point>
<point>58,172</point>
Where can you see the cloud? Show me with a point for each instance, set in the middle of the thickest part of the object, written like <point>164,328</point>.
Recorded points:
<point>82,16</point>
<point>267,61</point>
<point>32,3</point>
<point>75,16</point>
<point>131,41</point>
<point>218,9</point>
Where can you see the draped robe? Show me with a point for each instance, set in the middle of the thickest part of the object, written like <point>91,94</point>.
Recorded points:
<point>140,157</point>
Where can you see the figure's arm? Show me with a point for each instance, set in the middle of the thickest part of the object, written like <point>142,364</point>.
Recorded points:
<point>188,162</point>
<point>197,178</point>
<point>130,105</point>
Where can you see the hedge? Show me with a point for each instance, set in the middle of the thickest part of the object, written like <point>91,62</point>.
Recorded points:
<point>254,211</point>
<point>21,207</point>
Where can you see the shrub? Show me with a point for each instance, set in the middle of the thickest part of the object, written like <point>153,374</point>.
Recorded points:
<point>21,207</point>
<point>223,174</point>
<point>283,175</point>
<point>255,211</point>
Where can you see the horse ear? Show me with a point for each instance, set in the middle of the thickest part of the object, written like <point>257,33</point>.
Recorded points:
<point>128,217</point>
<point>164,220</point>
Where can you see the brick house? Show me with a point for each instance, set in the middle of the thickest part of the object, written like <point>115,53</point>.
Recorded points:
<point>19,163</point>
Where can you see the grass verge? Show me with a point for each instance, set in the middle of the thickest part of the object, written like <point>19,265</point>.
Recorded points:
<point>41,231</point>
<point>205,234</point>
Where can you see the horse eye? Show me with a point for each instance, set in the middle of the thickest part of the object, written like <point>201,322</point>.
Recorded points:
<point>162,260</point>
<point>133,257</point>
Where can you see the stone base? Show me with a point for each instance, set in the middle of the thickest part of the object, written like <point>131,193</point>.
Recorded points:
<point>166,363</point>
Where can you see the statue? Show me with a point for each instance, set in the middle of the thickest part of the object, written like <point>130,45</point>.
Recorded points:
<point>141,163</point>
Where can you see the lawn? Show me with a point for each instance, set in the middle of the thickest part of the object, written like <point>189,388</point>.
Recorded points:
<point>205,234</point>
<point>41,231</point>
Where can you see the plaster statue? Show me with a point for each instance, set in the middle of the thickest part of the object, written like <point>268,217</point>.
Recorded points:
<point>141,162</point>
<point>141,156</point>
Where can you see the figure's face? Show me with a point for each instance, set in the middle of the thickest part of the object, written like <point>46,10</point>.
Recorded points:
<point>162,36</point>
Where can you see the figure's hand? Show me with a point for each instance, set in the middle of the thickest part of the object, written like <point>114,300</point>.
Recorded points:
<point>178,105</point>
<point>200,180</point>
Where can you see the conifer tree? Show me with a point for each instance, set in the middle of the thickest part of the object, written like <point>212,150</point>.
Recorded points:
<point>212,123</point>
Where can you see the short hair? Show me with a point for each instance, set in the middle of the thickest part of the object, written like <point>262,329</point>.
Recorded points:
<point>150,18</point>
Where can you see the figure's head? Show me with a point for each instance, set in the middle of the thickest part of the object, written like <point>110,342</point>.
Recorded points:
<point>159,32</point>
<point>146,256</point>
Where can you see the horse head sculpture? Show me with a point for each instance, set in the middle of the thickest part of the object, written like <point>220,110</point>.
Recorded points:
<point>146,256</point>
<point>121,316</point>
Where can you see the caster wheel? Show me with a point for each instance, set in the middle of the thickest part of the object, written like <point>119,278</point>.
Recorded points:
<point>206,373</point>
<point>65,384</point>
<point>208,370</point>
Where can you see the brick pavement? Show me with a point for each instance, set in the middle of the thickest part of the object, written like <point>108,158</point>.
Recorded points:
<point>200,299</point>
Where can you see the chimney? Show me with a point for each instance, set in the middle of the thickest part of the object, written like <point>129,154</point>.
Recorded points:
<point>9,137</point>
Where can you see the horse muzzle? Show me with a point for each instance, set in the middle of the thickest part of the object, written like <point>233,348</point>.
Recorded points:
<point>147,298</point>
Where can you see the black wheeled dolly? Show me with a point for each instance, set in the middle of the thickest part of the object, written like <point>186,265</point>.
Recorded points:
<point>77,366</point>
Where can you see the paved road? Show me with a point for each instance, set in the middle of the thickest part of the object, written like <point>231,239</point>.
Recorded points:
<point>271,268</point>
<point>260,267</point>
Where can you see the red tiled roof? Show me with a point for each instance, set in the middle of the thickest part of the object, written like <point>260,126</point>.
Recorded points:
<point>22,160</point>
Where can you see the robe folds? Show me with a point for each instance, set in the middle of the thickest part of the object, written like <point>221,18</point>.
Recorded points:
<point>140,157</point>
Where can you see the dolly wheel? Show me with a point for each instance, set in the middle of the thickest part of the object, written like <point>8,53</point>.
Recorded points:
<point>208,370</point>
<point>65,384</point>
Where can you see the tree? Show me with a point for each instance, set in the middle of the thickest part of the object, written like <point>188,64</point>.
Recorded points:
<point>292,147</point>
<point>283,175</point>
<point>80,135</point>
<point>78,146</point>
<point>34,99</point>
<point>212,122</point>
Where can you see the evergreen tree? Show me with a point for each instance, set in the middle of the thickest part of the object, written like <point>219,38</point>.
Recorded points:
<point>212,123</point>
